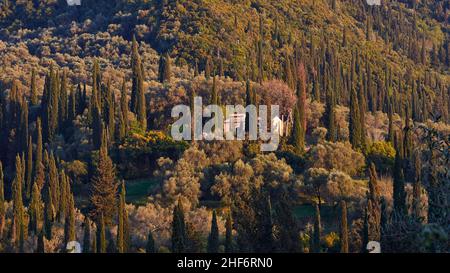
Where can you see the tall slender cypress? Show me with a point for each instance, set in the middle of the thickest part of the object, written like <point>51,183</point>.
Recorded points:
<point>178,229</point>
<point>344,227</point>
<point>87,235</point>
<point>229,234</point>
<point>2,202</point>
<point>317,231</point>
<point>213,239</point>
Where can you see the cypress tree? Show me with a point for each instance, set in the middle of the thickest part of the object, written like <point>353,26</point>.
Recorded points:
<point>373,207</point>
<point>137,79</point>
<point>69,226</point>
<point>120,221</point>
<point>329,117</point>
<point>35,210</point>
<point>62,103</point>
<point>2,202</point>
<point>208,68</point>
<point>123,116</point>
<point>344,228</point>
<point>72,106</point>
<point>213,239</point>
<point>64,196</point>
<point>317,231</point>
<point>94,243</point>
<point>87,235</point>
<point>40,243</point>
<point>49,214</point>
<point>141,108</point>
<point>33,89</point>
<point>18,209</point>
<point>103,187</point>
<point>316,89</point>
<point>399,194</point>
<point>297,132</point>
<point>214,93</point>
<point>150,246</point>
<point>29,168</point>
<point>229,234</point>
<point>365,231</point>
<point>101,235</point>
<point>391,132</point>
<point>53,182</point>
<point>97,127</point>
<point>165,72</point>
<point>362,115</point>
<point>178,229</point>
<point>354,121</point>
<point>417,188</point>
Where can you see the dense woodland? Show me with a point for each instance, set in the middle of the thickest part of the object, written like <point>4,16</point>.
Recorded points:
<point>86,94</point>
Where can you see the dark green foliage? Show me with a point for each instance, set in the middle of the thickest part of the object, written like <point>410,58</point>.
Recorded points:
<point>229,234</point>
<point>40,243</point>
<point>316,238</point>
<point>35,210</point>
<point>354,122</point>
<point>179,235</point>
<point>343,231</point>
<point>18,208</point>
<point>329,117</point>
<point>165,72</point>
<point>150,246</point>
<point>69,228</point>
<point>213,239</point>
<point>399,194</point>
<point>87,235</point>
<point>2,201</point>
<point>33,89</point>
<point>101,235</point>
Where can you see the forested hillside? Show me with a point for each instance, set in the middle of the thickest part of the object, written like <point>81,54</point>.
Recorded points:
<point>86,94</point>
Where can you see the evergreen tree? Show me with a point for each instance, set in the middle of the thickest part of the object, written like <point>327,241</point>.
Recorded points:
<point>29,169</point>
<point>2,202</point>
<point>141,107</point>
<point>120,221</point>
<point>94,243</point>
<point>150,246</point>
<point>208,68</point>
<point>354,121</point>
<point>399,194</point>
<point>362,115</point>
<point>299,130</point>
<point>179,237</point>
<point>317,231</point>
<point>49,214</point>
<point>101,235</point>
<point>214,93</point>
<point>329,117</point>
<point>103,186</point>
<point>53,182</point>
<point>344,228</point>
<point>69,227</point>
<point>87,235</point>
<point>35,210</point>
<point>213,239</point>
<point>165,72</point>
<point>229,234</point>
<point>18,208</point>
<point>40,243</point>
<point>123,115</point>
<point>33,89</point>
<point>298,140</point>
